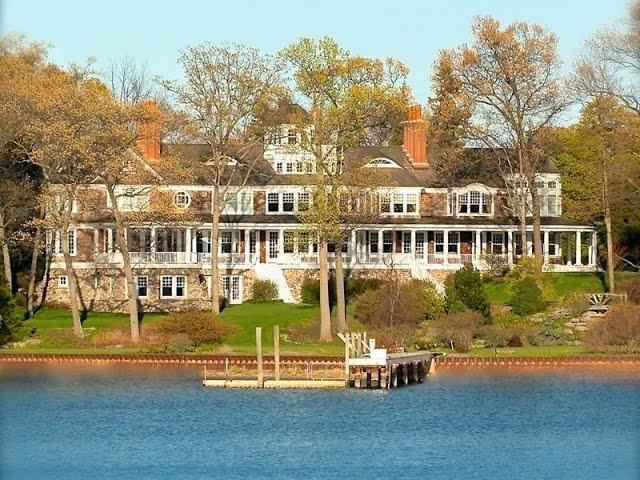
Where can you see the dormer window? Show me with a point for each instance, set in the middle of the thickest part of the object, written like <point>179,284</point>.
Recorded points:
<point>181,199</point>
<point>382,163</point>
<point>474,202</point>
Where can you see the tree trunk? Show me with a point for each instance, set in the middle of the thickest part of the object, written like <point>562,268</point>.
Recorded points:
<point>215,233</point>
<point>607,226</point>
<point>524,250</point>
<point>325,308</point>
<point>71,278</point>
<point>340,296</point>
<point>6,259</point>
<point>537,231</point>
<point>132,288</point>
<point>35,254</point>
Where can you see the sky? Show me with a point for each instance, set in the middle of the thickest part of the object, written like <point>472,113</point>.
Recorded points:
<point>154,32</point>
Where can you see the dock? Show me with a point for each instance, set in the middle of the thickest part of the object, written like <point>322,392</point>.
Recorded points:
<point>365,367</point>
<point>369,367</point>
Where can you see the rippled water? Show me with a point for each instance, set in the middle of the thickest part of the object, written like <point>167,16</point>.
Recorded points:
<point>164,425</point>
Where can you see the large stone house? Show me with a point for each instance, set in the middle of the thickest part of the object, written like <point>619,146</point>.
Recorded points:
<point>424,228</point>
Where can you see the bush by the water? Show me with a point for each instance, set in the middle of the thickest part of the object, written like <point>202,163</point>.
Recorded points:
<point>9,324</point>
<point>526,298</point>
<point>396,304</point>
<point>454,330</point>
<point>634,291</point>
<point>465,291</point>
<point>180,343</point>
<point>264,291</point>
<point>619,330</point>
<point>200,327</point>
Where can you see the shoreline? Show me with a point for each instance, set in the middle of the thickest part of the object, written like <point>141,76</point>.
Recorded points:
<point>229,363</point>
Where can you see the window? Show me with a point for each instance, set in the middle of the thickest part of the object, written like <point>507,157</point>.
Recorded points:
<point>292,138</point>
<point>272,202</point>
<point>288,237</point>
<point>238,203</point>
<point>63,281</point>
<point>142,285</point>
<point>181,199</point>
<point>131,199</point>
<point>279,167</point>
<point>225,241</point>
<point>373,242</point>
<point>439,242</point>
<point>398,203</point>
<point>474,203</point>
<point>454,239</point>
<point>497,238</point>
<point>539,184</point>
<point>554,247</point>
<point>231,286</point>
<point>252,241</point>
<point>412,203</point>
<point>299,167</point>
<point>382,163</point>
<point>303,201</point>
<point>289,167</point>
<point>420,244</point>
<point>173,287</point>
<point>552,204</point>
<point>71,242</point>
<point>287,202</point>
<point>406,242</point>
<point>303,242</point>
<point>385,203</point>
<point>387,242</point>
<point>552,184</point>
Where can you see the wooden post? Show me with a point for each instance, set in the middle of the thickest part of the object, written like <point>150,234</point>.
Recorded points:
<point>259,356</point>
<point>276,351</point>
<point>346,358</point>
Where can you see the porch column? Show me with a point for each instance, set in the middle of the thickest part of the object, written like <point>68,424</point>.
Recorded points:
<point>187,244</point>
<point>280,241</point>
<point>483,237</point>
<point>545,247</point>
<point>247,246</point>
<point>353,246</point>
<point>154,239</point>
<point>413,243</point>
<point>478,244</point>
<point>578,248</point>
<point>594,248</point>
<point>445,240</point>
<point>510,247</point>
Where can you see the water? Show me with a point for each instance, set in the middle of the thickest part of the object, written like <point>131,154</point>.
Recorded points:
<point>164,425</point>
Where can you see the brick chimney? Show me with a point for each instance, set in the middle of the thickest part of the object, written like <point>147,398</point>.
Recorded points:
<point>149,126</point>
<point>415,141</point>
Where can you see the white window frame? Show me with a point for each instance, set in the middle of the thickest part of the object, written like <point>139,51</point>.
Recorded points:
<point>438,242</point>
<point>63,281</point>
<point>145,286</point>
<point>227,285</point>
<point>182,204</point>
<point>474,195</point>
<point>174,286</point>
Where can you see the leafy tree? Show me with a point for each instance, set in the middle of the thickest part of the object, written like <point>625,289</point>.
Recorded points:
<point>600,168</point>
<point>349,100</point>
<point>464,290</point>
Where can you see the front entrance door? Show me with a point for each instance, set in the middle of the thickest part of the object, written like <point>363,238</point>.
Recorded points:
<point>273,245</point>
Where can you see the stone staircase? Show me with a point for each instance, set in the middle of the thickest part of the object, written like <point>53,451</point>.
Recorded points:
<point>273,272</point>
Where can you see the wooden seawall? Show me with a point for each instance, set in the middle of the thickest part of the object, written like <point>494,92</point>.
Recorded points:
<point>518,362</point>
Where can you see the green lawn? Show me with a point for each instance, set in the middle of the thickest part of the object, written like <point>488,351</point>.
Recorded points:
<point>61,318</point>
<point>567,283</point>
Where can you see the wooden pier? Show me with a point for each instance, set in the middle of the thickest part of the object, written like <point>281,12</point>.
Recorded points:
<point>369,367</point>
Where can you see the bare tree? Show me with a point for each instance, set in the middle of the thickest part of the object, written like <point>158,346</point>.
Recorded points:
<point>610,63</point>
<point>509,80</point>
<point>129,81</point>
<point>223,90</point>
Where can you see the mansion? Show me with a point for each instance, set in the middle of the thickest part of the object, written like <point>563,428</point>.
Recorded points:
<point>424,229</point>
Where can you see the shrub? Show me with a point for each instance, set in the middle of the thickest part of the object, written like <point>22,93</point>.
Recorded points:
<point>455,330</point>
<point>264,291</point>
<point>634,291</point>
<point>396,304</point>
<point>526,297</point>
<point>497,266</point>
<point>9,324</point>
<point>356,286</point>
<point>465,291</point>
<point>527,267</point>
<point>619,329</point>
<point>198,326</point>
<point>310,291</point>
<point>495,336</point>
<point>180,343</point>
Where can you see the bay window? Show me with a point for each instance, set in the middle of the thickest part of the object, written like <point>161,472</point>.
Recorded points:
<point>474,203</point>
